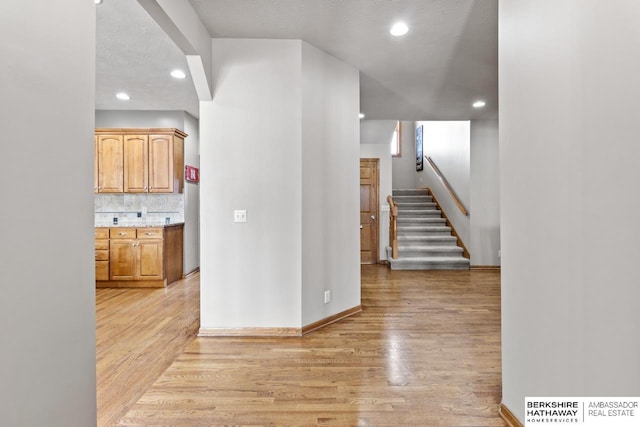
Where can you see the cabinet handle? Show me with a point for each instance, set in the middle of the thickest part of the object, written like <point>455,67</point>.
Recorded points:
<point>148,233</point>
<point>122,234</point>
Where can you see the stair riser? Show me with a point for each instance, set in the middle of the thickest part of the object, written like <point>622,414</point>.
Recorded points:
<point>426,253</point>
<point>409,193</point>
<point>423,234</point>
<point>428,266</point>
<point>416,206</point>
<point>420,214</point>
<point>425,242</point>
<point>420,229</point>
<point>441,222</point>
<point>412,199</point>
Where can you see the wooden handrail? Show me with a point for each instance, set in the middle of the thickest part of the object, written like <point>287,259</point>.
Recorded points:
<point>447,186</point>
<point>393,226</point>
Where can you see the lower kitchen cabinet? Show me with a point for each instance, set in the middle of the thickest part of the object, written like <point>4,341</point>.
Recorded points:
<point>102,253</point>
<point>144,257</point>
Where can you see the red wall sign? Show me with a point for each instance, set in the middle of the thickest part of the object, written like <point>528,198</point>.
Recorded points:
<point>191,174</point>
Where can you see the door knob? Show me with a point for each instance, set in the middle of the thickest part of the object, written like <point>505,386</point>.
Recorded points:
<point>373,217</point>
<point>360,226</point>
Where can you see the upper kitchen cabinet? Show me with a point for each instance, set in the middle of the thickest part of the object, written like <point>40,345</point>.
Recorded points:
<point>151,161</point>
<point>136,163</point>
<point>109,160</point>
<point>166,162</point>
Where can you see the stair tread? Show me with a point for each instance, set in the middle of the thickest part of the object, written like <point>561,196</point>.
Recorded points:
<point>421,222</point>
<point>422,227</point>
<point>432,258</point>
<point>423,237</point>
<point>431,248</point>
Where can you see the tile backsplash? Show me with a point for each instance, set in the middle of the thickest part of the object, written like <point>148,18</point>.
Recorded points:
<point>138,209</point>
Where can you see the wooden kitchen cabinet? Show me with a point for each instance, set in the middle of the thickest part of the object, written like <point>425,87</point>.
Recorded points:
<point>136,164</point>
<point>109,158</point>
<point>165,155</point>
<point>144,257</point>
<point>102,253</point>
<point>151,160</point>
<point>150,265</point>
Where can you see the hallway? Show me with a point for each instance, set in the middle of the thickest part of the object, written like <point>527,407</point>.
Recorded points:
<point>425,351</point>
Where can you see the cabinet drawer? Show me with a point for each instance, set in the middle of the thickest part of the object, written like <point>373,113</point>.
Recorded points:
<point>102,270</point>
<point>101,233</point>
<point>102,255</point>
<point>122,233</point>
<point>102,244</point>
<point>149,233</point>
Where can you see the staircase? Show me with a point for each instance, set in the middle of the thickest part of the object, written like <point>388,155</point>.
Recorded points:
<point>425,241</point>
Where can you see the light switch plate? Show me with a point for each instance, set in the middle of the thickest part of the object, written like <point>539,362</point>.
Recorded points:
<point>240,215</point>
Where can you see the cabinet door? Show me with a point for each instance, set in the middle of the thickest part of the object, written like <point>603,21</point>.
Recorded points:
<point>110,163</point>
<point>95,164</point>
<point>122,259</point>
<point>160,163</point>
<point>150,259</point>
<point>136,163</point>
<point>102,270</point>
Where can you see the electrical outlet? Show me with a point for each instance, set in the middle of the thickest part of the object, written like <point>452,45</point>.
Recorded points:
<point>327,297</point>
<point>240,215</point>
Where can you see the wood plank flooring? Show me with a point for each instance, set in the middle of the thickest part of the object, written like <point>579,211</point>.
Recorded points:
<point>424,352</point>
<point>140,332</point>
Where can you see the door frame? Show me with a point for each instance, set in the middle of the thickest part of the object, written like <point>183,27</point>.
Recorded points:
<point>376,251</point>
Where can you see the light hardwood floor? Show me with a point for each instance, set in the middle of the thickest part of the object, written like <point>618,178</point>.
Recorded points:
<point>425,351</point>
<point>140,332</point>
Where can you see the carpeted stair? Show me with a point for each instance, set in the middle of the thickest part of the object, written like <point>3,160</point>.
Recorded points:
<point>425,241</point>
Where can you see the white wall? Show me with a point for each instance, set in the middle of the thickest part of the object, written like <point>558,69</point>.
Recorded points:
<point>140,119</point>
<point>47,308</point>
<point>569,210</point>
<point>448,144</point>
<point>330,185</point>
<point>251,158</point>
<point>191,197</point>
<point>484,241</point>
<point>280,139</point>
<point>404,166</point>
<point>377,132</point>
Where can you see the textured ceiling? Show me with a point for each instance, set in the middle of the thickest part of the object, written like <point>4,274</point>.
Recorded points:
<point>134,55</point>
<point>446,61</point>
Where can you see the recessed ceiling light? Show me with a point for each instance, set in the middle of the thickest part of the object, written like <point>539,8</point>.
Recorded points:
<point>178,74</point>
<point>98,1</point>
<point>123,96</point>
<point>399,29</point>
<point>479,104</point>
<point>361,115</point>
